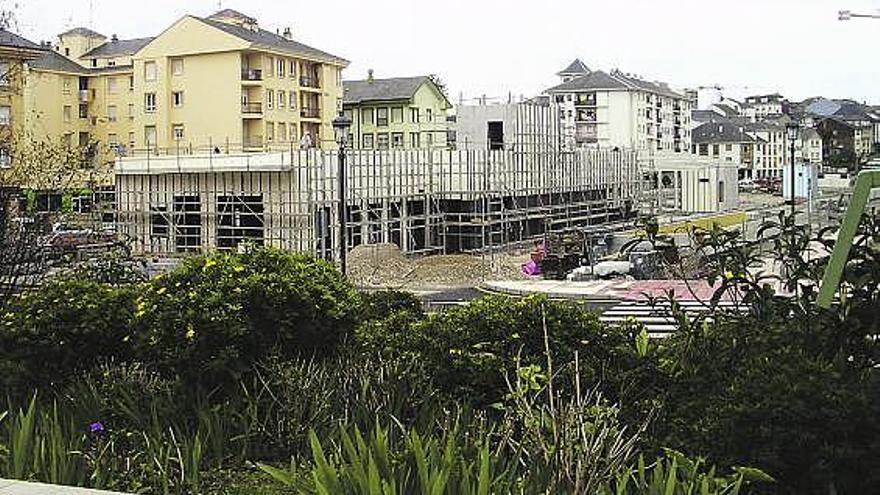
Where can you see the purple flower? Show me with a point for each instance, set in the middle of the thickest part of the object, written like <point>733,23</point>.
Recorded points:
<point>96,427</point>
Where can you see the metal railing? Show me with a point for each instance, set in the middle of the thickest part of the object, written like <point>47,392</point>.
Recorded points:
<point>252,108</point>
<point>251,75</point>
<point>309,82</point>
<point>310,113</point>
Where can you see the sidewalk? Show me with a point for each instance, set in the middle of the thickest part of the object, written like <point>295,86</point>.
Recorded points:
<point>8,487</point>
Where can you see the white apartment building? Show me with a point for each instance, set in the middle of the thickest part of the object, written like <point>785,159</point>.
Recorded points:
<point>771,149</point>
<point>760,107</point>
<point>608,110</point>
<point>809,147</point>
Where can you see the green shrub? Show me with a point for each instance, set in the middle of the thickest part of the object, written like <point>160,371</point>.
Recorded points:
<point>378,305</point>
<point>67,326</point>
<point>469,349</point>
<point>215,315</point>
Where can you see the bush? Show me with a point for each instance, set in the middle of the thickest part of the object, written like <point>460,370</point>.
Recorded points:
<point>469,349</point>
<point>215,315</point>
<point>67,326</point>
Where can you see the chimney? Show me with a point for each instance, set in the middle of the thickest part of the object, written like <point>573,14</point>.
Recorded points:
<point>114,38</point>
<point>288,33</point>
<point>370,76</point>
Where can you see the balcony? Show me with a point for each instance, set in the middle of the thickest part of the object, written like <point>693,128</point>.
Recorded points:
<point>309,82</point>
<point>85,95</point>
<point>251,75</point>
<point>253,143</point>
<point>310,113</point>
<point>252,108</point>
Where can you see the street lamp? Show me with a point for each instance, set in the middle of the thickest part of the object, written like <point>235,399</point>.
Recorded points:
<point>846,15</point>
<point>341,124</point>
<point>793,129</point>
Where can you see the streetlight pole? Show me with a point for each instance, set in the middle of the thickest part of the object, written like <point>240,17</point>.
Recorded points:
<point>845,15</point>
<point>793,130</point>
<point>341,124</point>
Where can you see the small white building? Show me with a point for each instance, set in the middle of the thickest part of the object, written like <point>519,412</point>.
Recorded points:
<point>698,186</point>
<point>806,182</point>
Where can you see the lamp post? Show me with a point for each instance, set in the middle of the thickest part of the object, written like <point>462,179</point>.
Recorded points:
<point>793,129</point>
<point>846,15</point>
<point>341,124</point>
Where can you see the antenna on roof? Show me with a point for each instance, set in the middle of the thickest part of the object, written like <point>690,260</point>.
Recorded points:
<point>91,14</point>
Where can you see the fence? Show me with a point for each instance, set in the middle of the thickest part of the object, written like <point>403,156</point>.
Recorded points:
<point>421,200</point>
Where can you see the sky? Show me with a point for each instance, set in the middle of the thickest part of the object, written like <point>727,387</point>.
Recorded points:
<point>499,48</point>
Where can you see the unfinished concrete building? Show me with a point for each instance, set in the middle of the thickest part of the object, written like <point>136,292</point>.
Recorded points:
<point>422,200</point>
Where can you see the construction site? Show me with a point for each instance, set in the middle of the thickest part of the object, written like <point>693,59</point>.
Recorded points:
<point>423,201</point>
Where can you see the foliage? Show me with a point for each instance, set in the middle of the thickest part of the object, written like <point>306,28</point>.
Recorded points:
<point>782,384</point>
<point>468,349</point>
<point>215,315</point>
<point>68,325</point>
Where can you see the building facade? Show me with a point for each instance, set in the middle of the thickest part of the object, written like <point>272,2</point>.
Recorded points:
<point>396,113</point>
<point>15,54</point>
<point>762,106</point>
<point>525,126</point>
<point>215,84</point>
<point>728,143</point>
<point>609,110</point>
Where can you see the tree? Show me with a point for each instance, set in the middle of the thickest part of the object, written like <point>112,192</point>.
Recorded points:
<point>438,81</point>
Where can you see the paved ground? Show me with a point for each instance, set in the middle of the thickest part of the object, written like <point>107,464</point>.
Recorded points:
<point>8,487</point>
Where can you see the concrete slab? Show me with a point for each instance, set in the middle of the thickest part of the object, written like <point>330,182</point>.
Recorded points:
<point>11,487</point>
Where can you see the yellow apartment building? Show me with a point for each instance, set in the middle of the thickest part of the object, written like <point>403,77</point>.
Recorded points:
<point>215,84</point>
<point>15,53</point>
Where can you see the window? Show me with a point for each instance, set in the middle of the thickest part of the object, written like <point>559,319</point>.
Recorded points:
<point>177,132</point>
<point>270,99</point>
<point>270,132</point>
<point>430,138</point>
<point>382,141</point>
<point>131,111</point>
<point>150,102</point>
<point>382,117</point>
<point>150,136</point>
<point>68,82</point>
<point>112,140</point>
<point>397,140</point>
<point>187,223</point>
<point>94,62</point>
<point>83,110</point>
<point>414,139</point>
<point>177,98</point>
<point>291,69</point>
<point>281,66</point>
<point>282,131</point>
<point>397,115</point>
<point>281,95</point>
<point>111,63</point>
<point>704,150</point>
<point>728,147</point>
<point>111,85</point>
<point>368,141</point>
<point>271,66</point>
<point>68,113</point>
<point>367,116</point>
<point>716,149</point>
<point>150,71</point>
<point>429,115</point>
<point>131,141</point>
<point>177,66</point>
<point>414,115</point>
<point>292,100</point>
<point>4,73</point>
<point>131,83</point>
<point>159,221</point>
<point>112,113</point>
<point>239,219</point>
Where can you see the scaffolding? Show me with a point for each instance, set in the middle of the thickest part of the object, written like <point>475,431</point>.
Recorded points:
<point>422,200</point>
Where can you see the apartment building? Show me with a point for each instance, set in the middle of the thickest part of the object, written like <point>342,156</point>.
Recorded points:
<point>808,149</point>
<point>15,53</point>
<point>215,84</point>
<point>771,149</point>
<point>762,106</point>
<point>727,142</point>
<point>609,110</point>
<point>400,112</point>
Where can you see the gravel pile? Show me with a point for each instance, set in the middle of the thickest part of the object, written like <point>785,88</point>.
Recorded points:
<point>383,265</point>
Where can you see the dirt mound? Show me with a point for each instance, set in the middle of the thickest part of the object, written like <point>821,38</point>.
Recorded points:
<point>383,265</point>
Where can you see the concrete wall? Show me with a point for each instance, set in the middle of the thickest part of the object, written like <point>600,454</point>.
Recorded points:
<point>527,127</point>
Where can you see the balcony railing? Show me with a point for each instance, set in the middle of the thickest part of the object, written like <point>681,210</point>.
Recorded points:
<point>251,75</point>
<point>309,82</point>
<point>252,108</point>
<point>310,113</point>
<point>253,143</point>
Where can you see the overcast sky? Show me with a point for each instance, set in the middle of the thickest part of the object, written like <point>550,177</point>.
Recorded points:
<point>497,47</point>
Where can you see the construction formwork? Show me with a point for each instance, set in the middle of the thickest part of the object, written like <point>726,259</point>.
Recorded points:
<point>421,200</point>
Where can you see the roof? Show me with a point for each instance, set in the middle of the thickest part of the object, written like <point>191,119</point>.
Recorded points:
<point>726,110</point>
<point>12,40</point>
<point>575,68</point>
<point>54,61</point>
<point>232,14</point>
<point>706,116</point>
<point>117,48</point>
<point>274,41</point>
<point>720,132</point>
<point>592,81</point>
<point>396,88</point>
<point>82,31</point>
